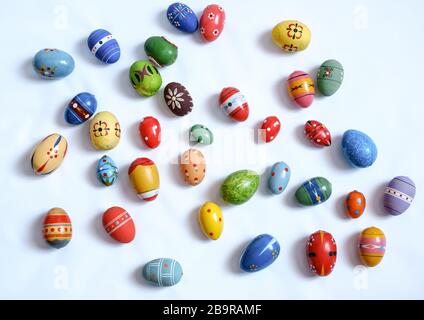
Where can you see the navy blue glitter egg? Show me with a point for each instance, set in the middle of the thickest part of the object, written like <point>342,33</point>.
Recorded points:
<point>104,46</point>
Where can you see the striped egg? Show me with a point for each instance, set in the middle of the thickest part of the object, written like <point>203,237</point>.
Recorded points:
<point>144,176</point>
<point>163,272</point>
<point>119,224</point>
<point>104,46</point>
<point>372,246</point>
<point>314,191</point>
<point>301,88</point>
<point>398,195</point>
<point>81,108</point>
<point>57,228</point>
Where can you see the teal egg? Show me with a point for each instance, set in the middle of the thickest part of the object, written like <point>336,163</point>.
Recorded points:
<point>107,171</point>
<point>201,134</point>
<point>330,77</point>
<point>53,63</point>
<point>163,272</point>
<point>240,186</point>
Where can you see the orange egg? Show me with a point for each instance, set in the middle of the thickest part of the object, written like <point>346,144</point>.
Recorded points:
<point>193,166</point>
<point>355,204</point>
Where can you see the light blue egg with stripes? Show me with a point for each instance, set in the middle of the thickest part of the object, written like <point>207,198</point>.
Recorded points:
<point>104,46</point>
<point>163,272</point>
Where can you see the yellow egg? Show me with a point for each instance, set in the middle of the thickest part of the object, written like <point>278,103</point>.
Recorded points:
<point>211,220</point>
<point>105,131</point>
<point>291,35</point>
<point>49,154</point>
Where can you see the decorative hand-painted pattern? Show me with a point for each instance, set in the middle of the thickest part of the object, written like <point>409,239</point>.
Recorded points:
<point>163,272</point>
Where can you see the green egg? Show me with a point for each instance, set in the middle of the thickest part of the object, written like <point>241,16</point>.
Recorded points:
<point>330,77</point>
<point>161,51</point>
<point>314,191</point>
<point>201,134</point>
<point>240,186</point>
<point>145,78</point>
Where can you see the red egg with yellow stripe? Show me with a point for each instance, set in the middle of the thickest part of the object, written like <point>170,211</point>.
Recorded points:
<point>301,88</point>
<point>144,176</point>
<point>321,251</point>
<point>57,228</point>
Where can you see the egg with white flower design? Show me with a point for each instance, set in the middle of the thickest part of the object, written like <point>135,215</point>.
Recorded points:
<point>178,99</point>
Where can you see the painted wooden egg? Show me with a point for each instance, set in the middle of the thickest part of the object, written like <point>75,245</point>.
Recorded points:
<point>279,177</point>
<point>182,17</point>
<point>317,133</point>
<point>314,191</point>
<point>57,228</point>
<point>104,46</point>
<point>105,131</point>
<point>193,166</point>
<point>212,22</point>
<point>150,132</point>
<point>240,186</point>
<point>161,51</point>
<point>234,104</point>
<point>398,195</point>
<point>291,35</point>
<point>211,220</point>
<point>144,176</point>
<point>107,170</point>
<point>355,204</point>
<point>301,88</point>
<point>270,128</point>
<point>200,134</point>
<point>330,77</point>
<point>321,251</point>
<point>178,99</point>
<point>163,272</point>
<point>81,108</point>
<point>260,253</point>
<point>145,78</point>
<point>359,149</point>
<point>53,63</point>
<point>372,246</point>
<point>119,224</point>
<point>49,154</point>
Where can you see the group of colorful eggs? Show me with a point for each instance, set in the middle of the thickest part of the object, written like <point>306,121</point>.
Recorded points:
<point>105,132</point>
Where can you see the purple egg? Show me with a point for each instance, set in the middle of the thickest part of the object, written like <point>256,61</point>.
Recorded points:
<point>398,195</point>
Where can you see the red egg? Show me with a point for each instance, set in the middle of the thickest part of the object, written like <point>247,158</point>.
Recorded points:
<point>150,132</point>
<point>301,88</point>
<point>355,204</point>
<point>212,22</point>
<point>317,133</point>
<point>321,251</point>
<point>234,104</point>
<point>270,128</point>
<point>119,224</point>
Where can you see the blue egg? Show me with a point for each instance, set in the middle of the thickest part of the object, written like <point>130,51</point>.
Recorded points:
<point>279,177</point>
<point>359,149</point>
<point>260,253</point>
<point>107,171</point>
<point>182,17</point>
<point>81,108</point>
<point>163,272</point>
<point>53,63</point>
<point>104,46</point>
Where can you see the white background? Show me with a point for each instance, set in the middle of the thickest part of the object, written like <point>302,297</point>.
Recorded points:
<point>380,46</point>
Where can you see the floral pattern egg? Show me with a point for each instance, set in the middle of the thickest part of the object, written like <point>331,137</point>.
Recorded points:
<point>105,131</point>
<point>145,78</point>
<point>107,171</point>
<point>178,99</point>
<point>291,35</point>
<point>330,77</point>
<point>212,22</point>
<point>53,63</point>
